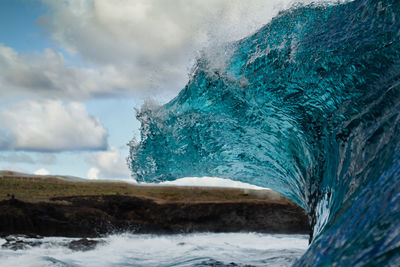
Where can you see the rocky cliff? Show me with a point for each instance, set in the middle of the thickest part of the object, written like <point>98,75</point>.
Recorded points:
<point>92,216</point>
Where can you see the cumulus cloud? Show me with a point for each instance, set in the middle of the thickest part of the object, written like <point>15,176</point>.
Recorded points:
<point>151,41</point>
<point>147,30</point>
<point>124,47</point>
<point>144,31</point>
<point>48,74</point>
<point>51,126</point>
<point>93,173</point>
<point>108,164</point>
<point>42,171</point>
<point>210,182</point>
<point>139,47</point>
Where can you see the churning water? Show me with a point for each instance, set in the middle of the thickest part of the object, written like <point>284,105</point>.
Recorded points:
<point>206,249</point>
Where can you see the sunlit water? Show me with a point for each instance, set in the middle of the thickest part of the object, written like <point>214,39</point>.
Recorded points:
<point>232,249</point>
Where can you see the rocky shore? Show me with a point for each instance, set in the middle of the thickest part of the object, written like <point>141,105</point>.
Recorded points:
<point>94,216</point>
<point>52,206</point>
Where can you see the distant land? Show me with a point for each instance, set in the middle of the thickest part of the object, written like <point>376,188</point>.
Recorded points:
<point>74,207</point>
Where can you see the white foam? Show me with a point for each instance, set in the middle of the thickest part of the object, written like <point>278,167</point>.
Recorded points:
<point>165,250</point>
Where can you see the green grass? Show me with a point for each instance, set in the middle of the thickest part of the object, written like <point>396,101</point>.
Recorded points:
<point>37,189</point>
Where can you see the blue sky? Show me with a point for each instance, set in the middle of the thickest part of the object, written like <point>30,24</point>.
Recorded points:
<point>72,71</point>
<point>17,25</point>
<point>20,29</point>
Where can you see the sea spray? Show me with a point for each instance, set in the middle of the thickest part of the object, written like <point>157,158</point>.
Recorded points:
<point>207,249</point>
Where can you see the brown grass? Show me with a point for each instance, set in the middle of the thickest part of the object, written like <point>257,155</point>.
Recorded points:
<point>37,189</point>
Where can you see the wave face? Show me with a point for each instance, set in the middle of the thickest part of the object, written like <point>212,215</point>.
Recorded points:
<point>308,106</point>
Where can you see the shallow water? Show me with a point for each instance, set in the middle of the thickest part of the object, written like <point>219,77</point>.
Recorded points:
<point>208,249</point>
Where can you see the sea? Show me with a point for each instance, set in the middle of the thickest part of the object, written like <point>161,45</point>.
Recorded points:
<point>181,250</point>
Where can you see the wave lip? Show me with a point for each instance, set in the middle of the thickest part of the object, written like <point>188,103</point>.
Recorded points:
<point>307,106</point>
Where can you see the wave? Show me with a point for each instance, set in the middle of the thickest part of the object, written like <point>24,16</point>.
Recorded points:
<point>309,106</point>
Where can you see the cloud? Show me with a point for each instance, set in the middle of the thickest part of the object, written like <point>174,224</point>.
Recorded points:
<point>210,182</point>
<point>152,31</point>
<point>138,48</point>
<point>151,43</point>
<point>48,74</point>
<point>108,165</point>
<point>42,171</point>
<point>51,126</point>
<point>93,173</point>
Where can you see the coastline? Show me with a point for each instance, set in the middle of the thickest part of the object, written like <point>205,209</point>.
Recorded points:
<point>51,206</point>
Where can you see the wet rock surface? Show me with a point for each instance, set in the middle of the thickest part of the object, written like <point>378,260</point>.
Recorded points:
<point>83,244</point>
<point>94,216</point>
<point>214,263</point>
<point>20,242</point>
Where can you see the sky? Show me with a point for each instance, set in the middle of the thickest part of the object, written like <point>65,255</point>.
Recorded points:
<point>72,72</point>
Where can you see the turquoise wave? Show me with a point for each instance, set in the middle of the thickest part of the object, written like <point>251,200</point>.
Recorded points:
<point>309,106</point>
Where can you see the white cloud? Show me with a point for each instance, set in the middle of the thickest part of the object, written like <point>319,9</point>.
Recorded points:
<point>93,173</point>
<point>139,47</point>
<point>51,125</point>
<point>152,43</point>
<point>48,75</point>
<point>124,47</point>
<point>42,171</point>
<point>149,32</point>
<point>108,164</point>
<point>210,182</point>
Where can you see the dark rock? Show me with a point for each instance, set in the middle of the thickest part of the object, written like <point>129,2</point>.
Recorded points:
<point>94,216</point>
<point>10,238</point>
<point>214,263</point>
<point>18,244</point>
<point>83,244</point>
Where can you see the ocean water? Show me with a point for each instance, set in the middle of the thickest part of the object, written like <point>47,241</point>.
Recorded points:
<point>206,249</point>
<point>308,106</point>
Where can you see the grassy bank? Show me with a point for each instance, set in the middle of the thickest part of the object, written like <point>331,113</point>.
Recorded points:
<point>37,189</point>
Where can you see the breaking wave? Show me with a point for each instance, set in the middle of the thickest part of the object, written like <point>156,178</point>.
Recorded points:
<point>309,106</point>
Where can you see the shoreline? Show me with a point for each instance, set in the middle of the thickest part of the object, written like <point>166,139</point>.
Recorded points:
<point>54,207</point>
